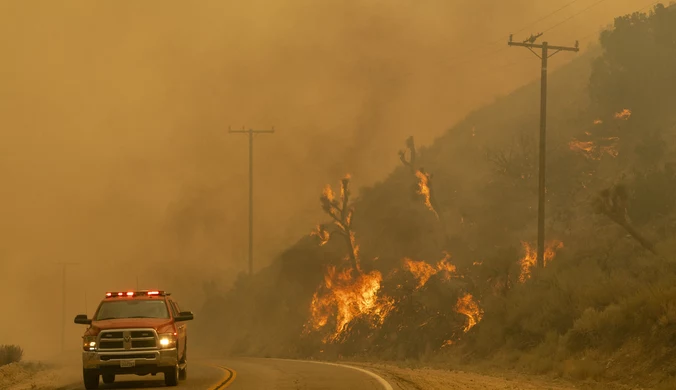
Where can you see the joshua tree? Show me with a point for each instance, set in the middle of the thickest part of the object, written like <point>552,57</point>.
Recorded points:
<point>410,163</point>
<point>341,213</point>
<point>612,202</point>
<point>424,179</point>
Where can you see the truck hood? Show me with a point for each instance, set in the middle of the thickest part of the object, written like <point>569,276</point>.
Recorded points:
<point>159,324</point>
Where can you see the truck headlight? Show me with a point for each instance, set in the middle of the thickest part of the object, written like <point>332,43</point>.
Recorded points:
<point>167,340</point>
<point>89,343</point>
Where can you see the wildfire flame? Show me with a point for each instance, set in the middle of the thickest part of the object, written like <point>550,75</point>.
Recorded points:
<point>355,246</point>
<point>598,122</point>
<point>347,298</point>
<point>594,151</point>
<point>624,114</point>
<point>529,260</point>
<point>423,271</point>
<point>321,233</point>
<point>328,193</point>
<point>424,189</point>
<point>467,306</point>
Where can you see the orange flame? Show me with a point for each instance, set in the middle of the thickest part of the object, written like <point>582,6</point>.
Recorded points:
<point>348,298</point>
<point>593,151</point>
<point>321,233</point>
<point>424,190</point>
<point>623,115</point>
<point>423,271</point>
<point>598,122</point>
<point>355,246</point>
<point>342,188</point>
<point>328,193</point>
<point>529,259</point>
<point>467,306</point>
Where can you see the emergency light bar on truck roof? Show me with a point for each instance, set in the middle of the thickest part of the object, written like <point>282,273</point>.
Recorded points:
<point>150,293</point>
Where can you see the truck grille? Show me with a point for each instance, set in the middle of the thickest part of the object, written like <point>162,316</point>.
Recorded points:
<point>127,339</point>
<point>106,358</point>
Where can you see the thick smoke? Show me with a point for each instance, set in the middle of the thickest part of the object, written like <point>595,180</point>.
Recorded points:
<point>114,148</point>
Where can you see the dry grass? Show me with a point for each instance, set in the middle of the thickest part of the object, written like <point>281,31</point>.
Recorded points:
<point>10,354</point>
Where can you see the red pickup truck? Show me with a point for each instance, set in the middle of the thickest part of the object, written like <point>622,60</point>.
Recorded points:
<point>135,332</point>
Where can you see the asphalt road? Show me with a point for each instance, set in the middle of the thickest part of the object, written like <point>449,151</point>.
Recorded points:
<point>259,374</point>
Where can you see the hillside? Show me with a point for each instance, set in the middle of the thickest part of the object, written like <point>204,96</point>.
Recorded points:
<point>391,277</point>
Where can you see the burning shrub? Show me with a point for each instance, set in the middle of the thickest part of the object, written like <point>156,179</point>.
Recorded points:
<point>10,354</point>
<point>347,297</point>
<point>529,259</point>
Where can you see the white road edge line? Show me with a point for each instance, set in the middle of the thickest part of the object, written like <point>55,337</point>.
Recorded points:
<point>386,385</point>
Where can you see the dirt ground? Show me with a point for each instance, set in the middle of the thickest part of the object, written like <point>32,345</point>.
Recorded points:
<point>49,375</point>
<point>438,379</point>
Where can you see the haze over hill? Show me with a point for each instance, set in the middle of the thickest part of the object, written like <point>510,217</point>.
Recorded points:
<point>115,153</point>
<point>440,269</point>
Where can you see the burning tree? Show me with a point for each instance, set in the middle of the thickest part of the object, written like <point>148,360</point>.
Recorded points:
<point>410,163</point>
<point>612,202</point>
<point>350,293</point>
<point>424,184</point>
<point>341,212</point>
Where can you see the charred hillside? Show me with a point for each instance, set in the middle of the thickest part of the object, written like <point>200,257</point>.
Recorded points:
<point>436,262</point>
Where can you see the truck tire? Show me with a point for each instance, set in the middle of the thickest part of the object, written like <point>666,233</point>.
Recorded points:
<point>91,379</point>
<point>183,373</point>
<point>108,378</point>
<point>171,376</point>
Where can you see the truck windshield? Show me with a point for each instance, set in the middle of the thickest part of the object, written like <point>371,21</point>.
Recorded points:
<point>132,309</point>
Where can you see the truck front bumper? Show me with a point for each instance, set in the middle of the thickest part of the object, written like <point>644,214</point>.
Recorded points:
<point>150,361</point>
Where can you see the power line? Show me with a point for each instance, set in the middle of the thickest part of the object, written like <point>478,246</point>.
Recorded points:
<point>574,16</point>
<point>517,62</point>
<point>546,16</point>
<point>495,42</point>
<point>486,48</point>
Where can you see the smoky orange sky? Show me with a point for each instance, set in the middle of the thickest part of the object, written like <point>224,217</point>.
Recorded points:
<point>115,152</point>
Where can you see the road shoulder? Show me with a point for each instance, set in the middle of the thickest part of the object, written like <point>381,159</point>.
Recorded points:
<point>36,376</point>
<point>439,379</point>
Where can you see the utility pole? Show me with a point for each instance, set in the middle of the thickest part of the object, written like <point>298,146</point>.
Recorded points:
<point>530,45</point>
<point>251,134</point>
<point>63,304</point>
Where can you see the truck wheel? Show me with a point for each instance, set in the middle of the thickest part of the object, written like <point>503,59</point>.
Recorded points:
<point>171,376</point>
<point>108,378</point>
<point>91,379</point>
<point>183,373</point>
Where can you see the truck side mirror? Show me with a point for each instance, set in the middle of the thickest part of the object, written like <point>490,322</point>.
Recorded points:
<point>82,319</point>
<point>184,316</point>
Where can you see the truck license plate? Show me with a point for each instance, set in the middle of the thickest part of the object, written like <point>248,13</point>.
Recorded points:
<point>127,363</point>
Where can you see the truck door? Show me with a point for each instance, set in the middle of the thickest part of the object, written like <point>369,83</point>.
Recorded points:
<point>181,328</point>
